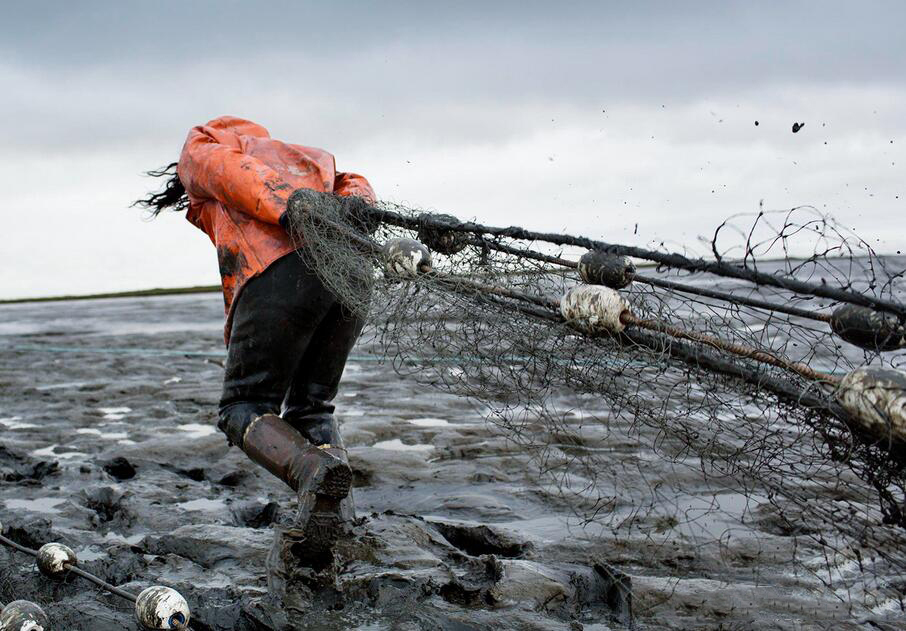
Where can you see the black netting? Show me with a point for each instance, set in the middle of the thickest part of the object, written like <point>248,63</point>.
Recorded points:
<point>729,369</point>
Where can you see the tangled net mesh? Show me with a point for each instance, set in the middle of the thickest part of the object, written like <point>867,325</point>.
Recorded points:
<point>769,443</point>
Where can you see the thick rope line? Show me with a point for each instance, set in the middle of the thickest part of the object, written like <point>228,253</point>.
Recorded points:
<point>733,298</point>
<point>699,355</point>
<point>15,546</point>
<point>696,355</point>
<point>371,247</point>
<point>679,261</point>
<point>730,347</point>
<point>458,284</point>
<point>101,583</point>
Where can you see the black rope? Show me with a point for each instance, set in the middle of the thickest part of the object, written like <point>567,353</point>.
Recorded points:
<point>674,260</point>
<point>733,298</point>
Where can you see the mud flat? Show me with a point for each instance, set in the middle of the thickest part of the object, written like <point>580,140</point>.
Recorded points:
<point>107,412</point>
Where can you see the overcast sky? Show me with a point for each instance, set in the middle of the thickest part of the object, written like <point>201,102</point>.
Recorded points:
<point>587,117</point>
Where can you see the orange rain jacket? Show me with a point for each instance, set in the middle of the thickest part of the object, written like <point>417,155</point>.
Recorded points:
<point>238,180</point>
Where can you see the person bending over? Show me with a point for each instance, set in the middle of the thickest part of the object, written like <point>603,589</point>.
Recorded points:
<point>287,335</point>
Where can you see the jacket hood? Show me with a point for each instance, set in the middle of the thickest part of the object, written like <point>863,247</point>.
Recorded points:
<point>239,126</point>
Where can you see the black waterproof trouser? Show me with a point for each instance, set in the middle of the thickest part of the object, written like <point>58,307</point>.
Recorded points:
<point>289,341</point>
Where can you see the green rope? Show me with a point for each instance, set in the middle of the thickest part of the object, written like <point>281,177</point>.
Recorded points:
<point>141,351</point>
<point>36,348</point>
<point>110,350</point>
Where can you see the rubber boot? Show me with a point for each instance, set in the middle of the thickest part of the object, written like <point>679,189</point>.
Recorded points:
<point>323,432</point>
<point>319,474</point>
<point>310,412</point>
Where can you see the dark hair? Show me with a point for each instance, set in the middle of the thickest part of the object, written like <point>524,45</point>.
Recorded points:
<point>173,195</point>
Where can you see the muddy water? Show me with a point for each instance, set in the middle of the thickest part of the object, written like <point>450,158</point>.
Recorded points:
<point>107,411</point>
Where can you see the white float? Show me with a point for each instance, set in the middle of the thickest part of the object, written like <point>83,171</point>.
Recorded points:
<point>54,559</point>
<point>593,309</point>
<point>876,398</point>
<point>406,258</point>
<point>160,607</point>
<point>22,615</point>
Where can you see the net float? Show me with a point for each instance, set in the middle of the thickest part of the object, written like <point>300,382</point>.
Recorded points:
<point>437,238</point>
<point>597,267</point>
<point>593,309</point>
<point>868,329</point>
<point>160,607</point>
<point>406,258</point>
<point>876,398</point>
<point>23,615</point>
<point>54,560</point>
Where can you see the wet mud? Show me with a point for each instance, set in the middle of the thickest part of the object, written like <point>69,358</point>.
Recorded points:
<point>115,454</point>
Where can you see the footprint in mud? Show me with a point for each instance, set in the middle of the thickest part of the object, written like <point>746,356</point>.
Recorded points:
<point>119,468</point>
<point>20,468</point>
<point>107,503</point>
<point>435,573</point>
<point>479,540</point>
<point>255,514</point>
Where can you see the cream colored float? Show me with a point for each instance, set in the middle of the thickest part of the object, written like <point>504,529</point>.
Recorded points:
<point>22,615</point>
<point>160,607</point>
<point>876,397</point>
<point>594,309</point>
<point>55,559</point>
<point>406,258</point>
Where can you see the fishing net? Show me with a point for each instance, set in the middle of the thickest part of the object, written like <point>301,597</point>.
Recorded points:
<point>728,363</point>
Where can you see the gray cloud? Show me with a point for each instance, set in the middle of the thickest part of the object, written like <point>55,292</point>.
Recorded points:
<point>95,68</point>
<point>528,45</point>
<point>587,115</point>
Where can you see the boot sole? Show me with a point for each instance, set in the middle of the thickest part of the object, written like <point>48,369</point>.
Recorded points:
<point>336,482</point>
<point>330,486</point>
<point>332,477</point>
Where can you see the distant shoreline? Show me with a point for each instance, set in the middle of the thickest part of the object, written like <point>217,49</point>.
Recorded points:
<point>136,293</point>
